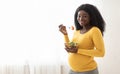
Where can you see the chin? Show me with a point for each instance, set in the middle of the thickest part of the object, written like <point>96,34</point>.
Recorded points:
<point>81,25</point>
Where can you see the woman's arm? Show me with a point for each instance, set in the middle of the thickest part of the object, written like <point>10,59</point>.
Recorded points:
<point>99,49</point>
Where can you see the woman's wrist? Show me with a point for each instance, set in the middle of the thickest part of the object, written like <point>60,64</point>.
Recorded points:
<point>66,34</point>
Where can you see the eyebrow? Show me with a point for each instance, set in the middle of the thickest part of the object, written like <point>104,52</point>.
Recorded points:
<point>83,14</point>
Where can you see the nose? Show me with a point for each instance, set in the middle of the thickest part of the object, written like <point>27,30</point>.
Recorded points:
<point>81,18</point>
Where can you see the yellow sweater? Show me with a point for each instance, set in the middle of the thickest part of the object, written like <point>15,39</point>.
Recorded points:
<point>90,45</point>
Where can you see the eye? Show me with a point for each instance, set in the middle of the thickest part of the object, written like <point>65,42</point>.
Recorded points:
<point>85,16</point>
<point>79,16</point>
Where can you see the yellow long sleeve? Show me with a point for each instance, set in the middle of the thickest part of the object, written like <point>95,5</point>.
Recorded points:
<point>98,42</point>
<point>90,45</point>
<point>66,39</point>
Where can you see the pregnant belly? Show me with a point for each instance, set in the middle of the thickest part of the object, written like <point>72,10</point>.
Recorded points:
<point>79,61</point>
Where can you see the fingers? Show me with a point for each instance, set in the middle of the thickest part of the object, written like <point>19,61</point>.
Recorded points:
<point>66,45</point>
<point>72,50</point>
<point>67,49</point>
<point>60,25</point>
<point>62,29</point>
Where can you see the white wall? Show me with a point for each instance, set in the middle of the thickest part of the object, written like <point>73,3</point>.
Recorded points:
<point>111,62</point>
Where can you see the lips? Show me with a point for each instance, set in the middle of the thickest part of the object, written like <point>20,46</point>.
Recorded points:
<point>81,22</point>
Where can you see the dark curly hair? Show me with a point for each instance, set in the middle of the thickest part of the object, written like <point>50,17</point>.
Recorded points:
<point>96,18</point>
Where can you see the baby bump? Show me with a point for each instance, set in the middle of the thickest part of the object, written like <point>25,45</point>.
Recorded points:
<point>78,60</point>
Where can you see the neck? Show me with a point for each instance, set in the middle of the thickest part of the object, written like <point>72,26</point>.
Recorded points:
<point>87,27</point>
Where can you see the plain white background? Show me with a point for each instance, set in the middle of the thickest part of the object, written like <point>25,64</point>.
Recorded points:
<point>110,63</point>
<point>29,31</point>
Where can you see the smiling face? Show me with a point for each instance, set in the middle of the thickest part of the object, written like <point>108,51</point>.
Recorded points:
<point>83,18</point>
